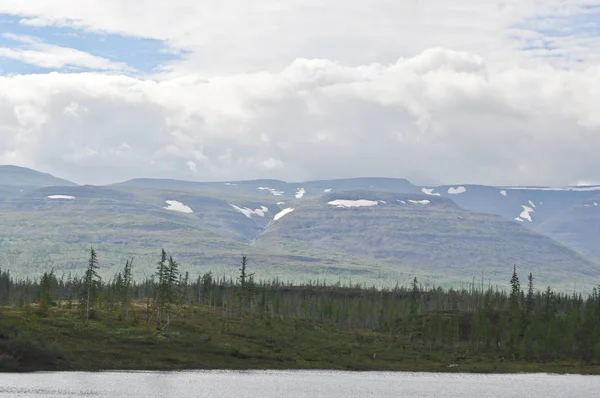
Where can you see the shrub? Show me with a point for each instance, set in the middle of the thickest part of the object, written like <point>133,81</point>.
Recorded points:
<point>28,351</point>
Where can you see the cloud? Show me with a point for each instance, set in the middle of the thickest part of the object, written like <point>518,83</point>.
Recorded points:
<point>442,113</point>
<point>234,36</point>
<point>35,52</point>
<point>468,91</point>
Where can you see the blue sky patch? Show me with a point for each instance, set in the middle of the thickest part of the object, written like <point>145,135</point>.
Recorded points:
<point>144,55</point>
<point>581,26</point>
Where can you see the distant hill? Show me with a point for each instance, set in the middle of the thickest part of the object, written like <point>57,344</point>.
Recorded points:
<point>371,230</point>
<point>421,234</point>
<point>578,227</point>
<point>23,177</point>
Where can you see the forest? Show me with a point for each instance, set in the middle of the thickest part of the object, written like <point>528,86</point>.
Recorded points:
<point>175,321</point>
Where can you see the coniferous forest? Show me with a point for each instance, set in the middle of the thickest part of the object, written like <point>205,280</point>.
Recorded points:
<point>174,320</point>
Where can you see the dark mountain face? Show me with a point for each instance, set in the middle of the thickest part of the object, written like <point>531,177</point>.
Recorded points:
<point>378,230</point>
<point>578,227</point>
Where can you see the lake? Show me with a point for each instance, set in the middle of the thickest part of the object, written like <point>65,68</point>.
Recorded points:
<point>295,384</point>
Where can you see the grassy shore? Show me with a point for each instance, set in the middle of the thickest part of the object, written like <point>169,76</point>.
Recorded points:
<point>199,338</point>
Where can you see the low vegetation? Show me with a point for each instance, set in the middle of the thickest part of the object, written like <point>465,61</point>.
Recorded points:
<point>171,321</point>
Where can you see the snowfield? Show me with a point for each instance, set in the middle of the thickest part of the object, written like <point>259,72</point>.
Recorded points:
<point>273,191</point>
<point>249,212</point>
<point>174,205</point>
<point>353,203</point>
<point>457,190</point>
<point>428,191</point>
<point>300,193</point>
<point>61,197</point>
<point>576,189</point>
<point>525,214</point>
<point>282,213</point>
<point>420,202</point>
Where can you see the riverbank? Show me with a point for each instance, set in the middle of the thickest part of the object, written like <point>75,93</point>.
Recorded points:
<point>200,337</point>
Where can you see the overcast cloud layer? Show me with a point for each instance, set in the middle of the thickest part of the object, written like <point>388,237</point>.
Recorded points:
<point>469,91</point>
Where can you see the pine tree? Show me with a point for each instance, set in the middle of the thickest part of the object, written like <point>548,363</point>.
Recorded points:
<point>172,288</point>
<point>515,286</point>
<point>126,287</point>
<point>48,284</point>
<point>530,299</point>
<point>172,281</point>
<point>515,313</point>
<point>184,289</point>
<point>162,287</point>
<point>90,284</point>
<point>244,284</point>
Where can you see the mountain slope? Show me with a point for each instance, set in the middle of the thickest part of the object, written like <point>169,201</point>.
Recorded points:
<point>531,206</point>
<point>290,230</point>
<point>22,177</point>
<point>53,228</point>
<point>577,227</point>
<point>430,235</point>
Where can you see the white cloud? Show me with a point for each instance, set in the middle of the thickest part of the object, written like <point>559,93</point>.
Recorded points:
<point>236,35</point>
<point>460,119</point>
<point>35,52</point>
<point>192,166</point>
<point>73,110</point>
<point>312,89</point>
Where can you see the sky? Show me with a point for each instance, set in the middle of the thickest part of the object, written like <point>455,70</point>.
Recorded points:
<point>464,91</point>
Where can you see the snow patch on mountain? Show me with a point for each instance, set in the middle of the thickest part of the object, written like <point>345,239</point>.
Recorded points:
<point>420,202</point>
<point>428,191</point>
<point>457,190</point>
<point>60,197</point>
<point>230,184</point>
<point>576,189</point>
<point>353,203</point>
<point>327,190</point>
<point>273,191</point>
<point>532,204</point>
<point>300,193</point>
<point>503,193</point>
<point>249,212</point>
<point>174,205</point>
<point>282,213</point>
<point>526,213</point>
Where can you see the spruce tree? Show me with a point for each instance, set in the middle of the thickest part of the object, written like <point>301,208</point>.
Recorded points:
<point>243,291</point>
<point>172,288</point>
<point>90,284</point>
<point>126,287</point>
<point>514,312</point>
<point>530,299</point>
<point>161,287</point>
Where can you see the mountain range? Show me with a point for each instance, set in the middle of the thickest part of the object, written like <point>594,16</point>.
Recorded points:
<point>378,231</point>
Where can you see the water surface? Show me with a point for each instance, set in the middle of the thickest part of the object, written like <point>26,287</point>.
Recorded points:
<point>297,384</point>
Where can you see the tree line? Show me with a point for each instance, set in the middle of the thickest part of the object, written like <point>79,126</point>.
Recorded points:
<point>517,324</point>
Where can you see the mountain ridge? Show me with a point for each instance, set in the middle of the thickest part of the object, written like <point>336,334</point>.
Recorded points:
<point>443,233</point>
